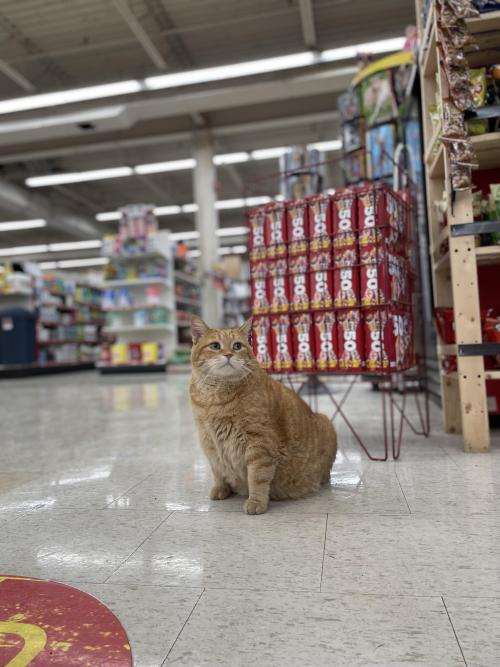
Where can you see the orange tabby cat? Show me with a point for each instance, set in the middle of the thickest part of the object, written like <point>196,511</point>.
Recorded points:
<point>260,437</point>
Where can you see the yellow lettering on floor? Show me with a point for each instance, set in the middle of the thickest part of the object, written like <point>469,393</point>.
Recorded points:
<point>34,641</point>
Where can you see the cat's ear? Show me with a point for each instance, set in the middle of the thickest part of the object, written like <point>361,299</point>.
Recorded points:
<point>246,330</point>
<point>198,328</point>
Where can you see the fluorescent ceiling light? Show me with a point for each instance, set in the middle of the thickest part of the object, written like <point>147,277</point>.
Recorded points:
<point>184,236</point>
<point>69,96</point>
<point>23,250</point>
<point>234,71</point>
<point>257,201</point>
<point>76,263</point>
<point>47,265</point>
<point>194,253</point>
<point>268,153</point>
<point>234,250</point>
<point>172,165</point>
<point>231,158</point>
<point>108,216</point>
<point>229,203</point>
<point>74,245</point>
<point>334,145</point>
<point>78,176</point>
<point>279,197</point>
<point>163,210</point>
<point>15,225</point>
<point>189,208</point>
<point>232,231</point>
<point>191,77</point>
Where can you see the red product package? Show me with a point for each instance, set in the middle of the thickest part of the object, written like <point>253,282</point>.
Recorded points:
<point>350,340</point>
<point>380,351</point>
<point>383,277</point>
<point>321,289</point>
<point>320,222</point>
<point>281,343</point>
<point>346,287</point>
<point>277,267</point>
<point>260,298</point>
<point>256,241</point>
<point>344,219</point>
<point>261,339</point>
<point>299,291</point>
<point>297,227</point>
<point>303,341</point>
<point>325,341</point>
<point>258,269</point>
<point>379,216</point>
<point>402,331</point>
<point>320,260</point>
<point>275,230</point>
<point>279,294</point>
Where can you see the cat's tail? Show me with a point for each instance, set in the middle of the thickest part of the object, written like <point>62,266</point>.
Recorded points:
<point>328,445</point>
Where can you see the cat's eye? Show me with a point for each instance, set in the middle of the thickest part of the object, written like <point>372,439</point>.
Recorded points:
<point>214,346</point>
<point>237,346</point>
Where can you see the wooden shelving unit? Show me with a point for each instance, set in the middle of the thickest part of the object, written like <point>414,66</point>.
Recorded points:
<point>455,275</point>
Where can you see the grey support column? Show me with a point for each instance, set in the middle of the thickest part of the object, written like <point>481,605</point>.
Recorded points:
<point>207,224</point>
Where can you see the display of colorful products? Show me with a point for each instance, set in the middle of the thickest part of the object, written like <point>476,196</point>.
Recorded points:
<point>332,283</point>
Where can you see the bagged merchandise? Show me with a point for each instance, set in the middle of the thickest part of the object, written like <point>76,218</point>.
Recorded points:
<point>261,339</point>
<point>350,340</point>
<point>353,135</point>
<point>462,9</point>
<point>478,83</point>
<point>461,178</point>
<point>453,122</point>
<point>321,285</point>
<point>325,341</point>
<point>320,222</point>
<point>344,219</point>
<point>275,230</point>
<point>348,105</point>
<point>297,228</point>
<point>281,343</point>
<point>462,153</point>
<point>303,341</point>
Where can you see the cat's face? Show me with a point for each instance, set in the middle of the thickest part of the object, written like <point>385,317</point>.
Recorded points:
<point>223,354</point>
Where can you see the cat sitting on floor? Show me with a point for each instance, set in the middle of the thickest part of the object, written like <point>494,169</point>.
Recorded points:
<point>261,439</point>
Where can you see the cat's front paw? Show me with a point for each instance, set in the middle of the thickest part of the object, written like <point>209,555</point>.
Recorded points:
<point>220,492</point>
<point>255,506</point>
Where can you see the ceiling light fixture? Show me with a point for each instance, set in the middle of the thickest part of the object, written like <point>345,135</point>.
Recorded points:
<point>231,158</point>
<point>23,250</point>
<point>158,167</point>
<point>232,231</point>
<point>15,225</point>
<point>74,245</point>
<point>197,76</point>
<point>78,177</point>
<point>76,263</point>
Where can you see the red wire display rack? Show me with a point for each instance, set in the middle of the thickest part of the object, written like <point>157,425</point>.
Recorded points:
<point>336,291</point>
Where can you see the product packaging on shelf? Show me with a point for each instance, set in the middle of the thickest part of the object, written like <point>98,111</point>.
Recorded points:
<point>281,343</point>
<point>383,277</point>
<point>260,299</point>
<point>256,241</point>
<point>346,278</point>
<point>303,341</point>
<point>320,222</point>
<point>298,280</point>
<point>297,228</point>
<point>261,338</point>
<point>278,286</point>
<point>325,341</point>
<point>350,340</point>
<point>321,286</point>
<point>344,219</point>
<point>381,217</point>
<point>275,230</point>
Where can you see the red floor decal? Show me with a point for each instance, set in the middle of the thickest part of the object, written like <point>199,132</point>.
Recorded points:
<point>45,624</point>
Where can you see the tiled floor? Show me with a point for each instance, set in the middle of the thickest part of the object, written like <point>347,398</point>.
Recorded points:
<point>102,485</point>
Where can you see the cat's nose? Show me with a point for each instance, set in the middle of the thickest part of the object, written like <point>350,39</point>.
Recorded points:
<point>228,355</point>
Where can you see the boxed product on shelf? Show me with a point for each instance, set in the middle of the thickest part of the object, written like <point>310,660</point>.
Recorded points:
<point>320,222</point>
<point>275,230</point>
<point>318,299</point>
<point>297,227</point>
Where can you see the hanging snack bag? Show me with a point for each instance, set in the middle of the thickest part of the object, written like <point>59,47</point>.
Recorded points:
<point>281,343</point>
<point>296,216</point>
<point>350,340</point>
<point>303,342</point>
<point>453,122</point>
<point>261,340</point>
<point>325,341</point>
<point>344,219</point>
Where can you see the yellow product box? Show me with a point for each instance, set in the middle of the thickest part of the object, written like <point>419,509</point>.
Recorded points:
<point>149,353</point>
<point>119,354</point>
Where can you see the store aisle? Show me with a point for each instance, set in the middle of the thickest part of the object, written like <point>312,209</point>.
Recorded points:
<point>103,486</point>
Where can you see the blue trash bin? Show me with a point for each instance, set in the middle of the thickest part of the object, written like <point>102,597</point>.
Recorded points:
<point>17,336</point>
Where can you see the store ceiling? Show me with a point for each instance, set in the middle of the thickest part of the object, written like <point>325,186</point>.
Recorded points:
<point>53,45</point>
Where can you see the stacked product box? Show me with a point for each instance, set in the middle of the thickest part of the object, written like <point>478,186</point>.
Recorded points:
<point>331,283</point>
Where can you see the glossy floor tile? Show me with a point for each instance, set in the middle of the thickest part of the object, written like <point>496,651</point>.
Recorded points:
<point>229,628</point>
<point>103,485</point>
